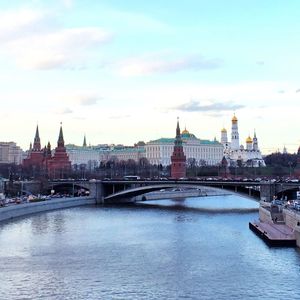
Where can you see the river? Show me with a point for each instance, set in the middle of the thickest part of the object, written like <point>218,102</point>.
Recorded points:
<point>195,248</point>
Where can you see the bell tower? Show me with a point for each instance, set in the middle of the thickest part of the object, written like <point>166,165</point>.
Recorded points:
<point>235,140</point>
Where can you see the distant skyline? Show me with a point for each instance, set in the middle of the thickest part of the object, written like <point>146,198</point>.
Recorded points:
<point>122,71</point>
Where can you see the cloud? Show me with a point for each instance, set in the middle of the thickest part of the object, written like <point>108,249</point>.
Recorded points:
<point>118,117</point>
<point>23,23</point>
<point>65,111</point>
<point>281,92</point>
<point>298,91</point>
<point>260,62</point>
<point>154,64</point>
<point>87,100</point>
<point>38,41</point>
<point>210,106</point>
<point>78,99</point>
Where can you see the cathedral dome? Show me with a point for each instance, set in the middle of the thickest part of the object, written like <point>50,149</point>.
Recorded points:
<point>185,131</point>
<point>234,119</point>
<point>223,130</point>
<point>248,140</point>
<point>187,135</point>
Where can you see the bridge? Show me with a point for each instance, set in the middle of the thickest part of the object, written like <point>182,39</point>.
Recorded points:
<point>114,191</point>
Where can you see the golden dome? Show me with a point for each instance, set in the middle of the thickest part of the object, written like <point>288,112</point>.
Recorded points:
<point>234,118</point>
<point>185,131</point>
<point>248,140</point>
<point>224,130</point>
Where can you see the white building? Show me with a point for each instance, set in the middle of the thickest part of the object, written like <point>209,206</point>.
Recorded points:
<point>248,156</point>
<point>10,153</point>
<point>87,155</point>
<point>125,153</point>
<point>204,152</point>
<point>92,156</point>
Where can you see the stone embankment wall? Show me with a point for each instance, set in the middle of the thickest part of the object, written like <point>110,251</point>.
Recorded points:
<point>265,215</point>
<point>19,210</point>
<point>291,219</point>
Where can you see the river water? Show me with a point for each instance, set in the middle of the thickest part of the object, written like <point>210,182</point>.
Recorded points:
<point>196,248</point>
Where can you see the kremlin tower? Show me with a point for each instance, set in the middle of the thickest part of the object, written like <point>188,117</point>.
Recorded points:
<point>42,160</point>
<point>35,156</point>
<point>59,164</point>
<point>178,159</point>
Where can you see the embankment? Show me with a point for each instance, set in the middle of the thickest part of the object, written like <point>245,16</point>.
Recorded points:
<point>20,210</point>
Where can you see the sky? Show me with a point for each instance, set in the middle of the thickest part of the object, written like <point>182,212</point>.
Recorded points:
<point>123,71</point>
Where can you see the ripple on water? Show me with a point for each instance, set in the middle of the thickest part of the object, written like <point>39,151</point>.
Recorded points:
<point>161,250</point>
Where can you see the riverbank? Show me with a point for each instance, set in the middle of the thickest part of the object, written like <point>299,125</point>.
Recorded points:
<point>20,210</point>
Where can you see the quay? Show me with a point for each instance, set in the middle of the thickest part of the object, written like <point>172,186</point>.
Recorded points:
<point>24,209</point>
<point>278,224</point>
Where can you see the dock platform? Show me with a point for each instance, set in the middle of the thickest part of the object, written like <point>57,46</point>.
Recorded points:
<point>275,235</point>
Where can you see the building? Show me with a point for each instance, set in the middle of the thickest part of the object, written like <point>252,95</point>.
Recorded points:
<point>204,152</point>
<point>178,159</point>
<point>92,156</point>
<point>58,164</point>
<point>35,154</point>
<point>125,153</point>
<point>237,154</point>
<point>10,153</point>
<point>42,161</point>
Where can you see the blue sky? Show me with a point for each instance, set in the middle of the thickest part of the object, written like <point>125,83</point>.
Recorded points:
<point>122,71</point>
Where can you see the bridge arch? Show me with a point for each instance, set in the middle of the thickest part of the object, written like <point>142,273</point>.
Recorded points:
<point>68,189</point>
<point>125,195</point>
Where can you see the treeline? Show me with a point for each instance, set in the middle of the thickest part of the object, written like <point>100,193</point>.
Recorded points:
<point>281,159</point>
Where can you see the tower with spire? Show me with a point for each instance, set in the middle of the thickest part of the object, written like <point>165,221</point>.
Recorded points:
<point>255,142</point>
<point>178,159</point>
<point>35,155</point>
<point>59,165</point>
<point>37,141</point>
<point>84,142</point>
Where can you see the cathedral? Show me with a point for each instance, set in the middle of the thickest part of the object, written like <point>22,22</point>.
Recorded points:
<point>237,154</point>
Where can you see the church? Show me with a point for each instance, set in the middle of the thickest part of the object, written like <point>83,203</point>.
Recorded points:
<point>237,154</point>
